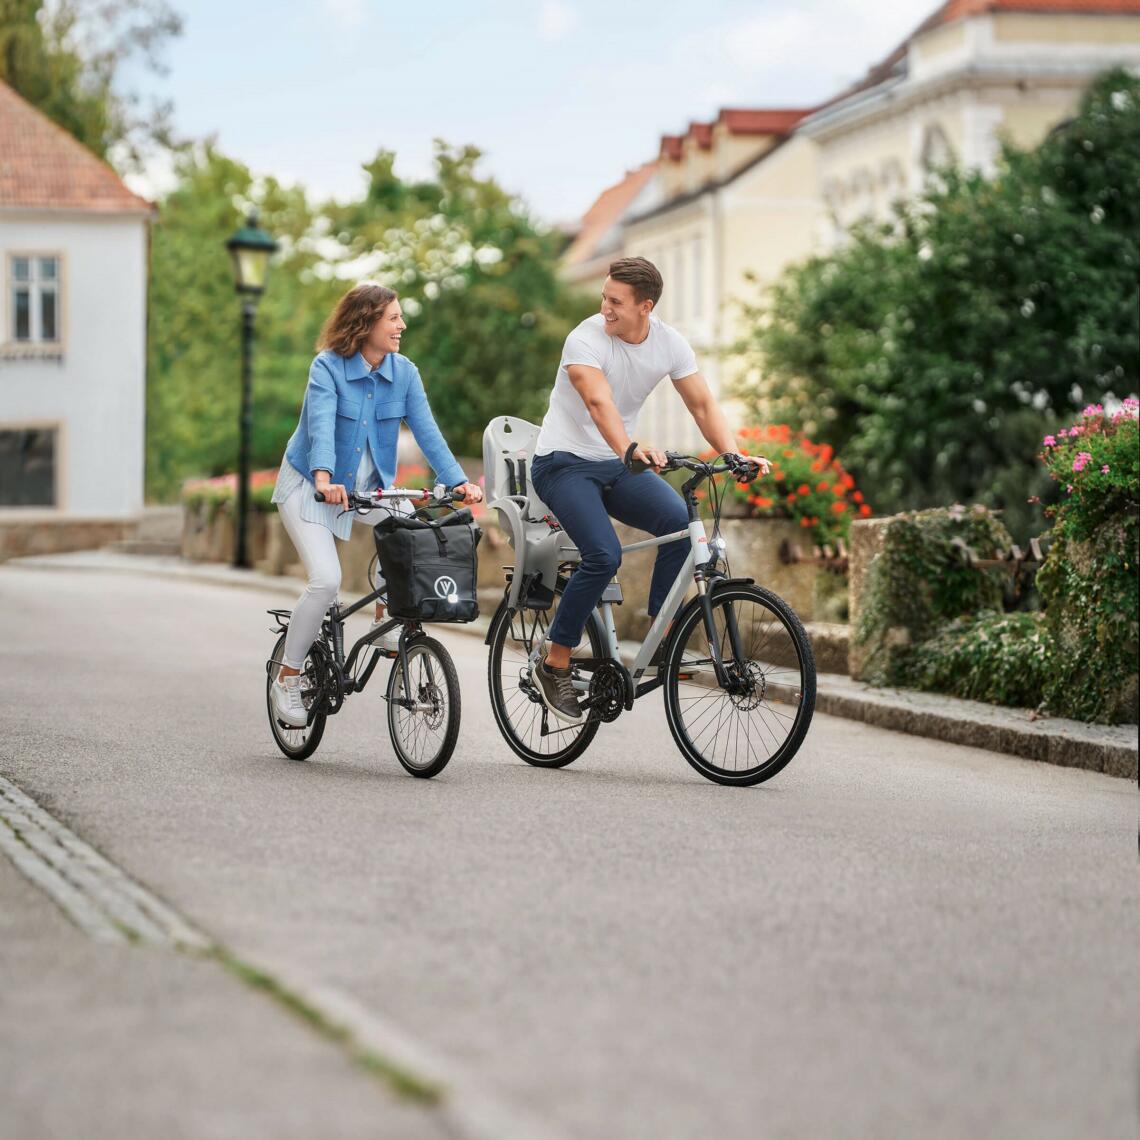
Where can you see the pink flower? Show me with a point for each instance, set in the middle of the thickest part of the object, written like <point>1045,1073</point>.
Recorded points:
<point>1050,441</point>
<point>1104,469</point>
<point>1093,410</point>
<point>1069,488</point>
<point>1132,402</point>
<point>1063,433</point>
<point>1081,460</point>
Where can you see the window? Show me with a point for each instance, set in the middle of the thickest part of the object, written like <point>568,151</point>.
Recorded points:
<point>698,278</point>
<point>936,149</point>
<point>27,467</point>
<point>33,291</point>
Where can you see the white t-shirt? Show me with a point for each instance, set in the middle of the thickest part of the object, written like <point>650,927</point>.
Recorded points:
<point>633,371</point>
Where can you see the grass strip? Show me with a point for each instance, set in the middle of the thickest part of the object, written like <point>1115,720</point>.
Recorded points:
<point>405,1084</point>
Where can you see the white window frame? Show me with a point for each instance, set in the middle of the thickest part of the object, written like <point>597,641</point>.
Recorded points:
<point>35,345</point>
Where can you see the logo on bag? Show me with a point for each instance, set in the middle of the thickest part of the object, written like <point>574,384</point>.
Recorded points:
<point>446,588</point>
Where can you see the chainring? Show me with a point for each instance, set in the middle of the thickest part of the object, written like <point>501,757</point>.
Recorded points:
<point>607,692</point>
<point>325,682</point>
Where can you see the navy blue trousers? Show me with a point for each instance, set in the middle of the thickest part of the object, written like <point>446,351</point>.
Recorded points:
<point>584,494</point>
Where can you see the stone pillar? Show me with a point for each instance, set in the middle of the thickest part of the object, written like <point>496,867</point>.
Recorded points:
<point>864,543</point>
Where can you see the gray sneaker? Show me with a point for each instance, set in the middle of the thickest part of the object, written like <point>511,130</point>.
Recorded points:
<point>557,692</point>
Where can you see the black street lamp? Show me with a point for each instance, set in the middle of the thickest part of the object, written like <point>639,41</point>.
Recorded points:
<point>250,249</point>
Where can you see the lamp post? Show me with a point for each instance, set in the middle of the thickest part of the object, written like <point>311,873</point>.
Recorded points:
<point>250,249</point>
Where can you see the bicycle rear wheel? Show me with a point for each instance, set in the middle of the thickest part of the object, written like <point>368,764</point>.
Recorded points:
<point>519,711</point>
<point>745,734</point>
<point>424,735</point>
<point>296,743</point>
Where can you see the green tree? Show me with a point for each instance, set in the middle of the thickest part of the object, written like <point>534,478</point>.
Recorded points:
<point>68,59</point>
<point>486,310</point>
<point>193,383</point>
<point>933,352</point>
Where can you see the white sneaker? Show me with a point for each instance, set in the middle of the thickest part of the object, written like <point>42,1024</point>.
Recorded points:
<point>388,642</point>
<point>287,704</point>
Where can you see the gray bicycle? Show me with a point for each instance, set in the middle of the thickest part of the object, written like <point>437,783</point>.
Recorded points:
<point>735,665</point>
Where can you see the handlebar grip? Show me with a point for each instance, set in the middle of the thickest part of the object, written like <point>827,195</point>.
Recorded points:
<point>319,496</point>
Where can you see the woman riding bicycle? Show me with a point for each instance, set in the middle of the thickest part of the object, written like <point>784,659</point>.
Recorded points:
<point>360,389</point>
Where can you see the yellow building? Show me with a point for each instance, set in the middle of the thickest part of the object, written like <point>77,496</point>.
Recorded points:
<point>974,73</point>
<point>745,196</point>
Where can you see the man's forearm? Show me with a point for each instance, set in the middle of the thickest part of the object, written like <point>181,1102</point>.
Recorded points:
<point>714,427</point>
<point>608,421</point>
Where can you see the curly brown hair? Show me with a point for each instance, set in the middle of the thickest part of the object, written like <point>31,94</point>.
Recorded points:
<point>349,324</point>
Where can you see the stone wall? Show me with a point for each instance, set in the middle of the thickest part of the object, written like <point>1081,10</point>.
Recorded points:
<point>40,532</point>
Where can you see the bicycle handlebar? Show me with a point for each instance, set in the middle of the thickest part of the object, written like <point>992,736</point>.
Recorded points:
<point>437,495</point>
<point>744,470</point>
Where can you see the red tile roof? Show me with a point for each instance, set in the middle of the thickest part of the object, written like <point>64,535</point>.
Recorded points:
<point>608,208</point>
<point>42,166</point>
<point>744,121</point>
<point>701,134</point>
<point>737,121</point>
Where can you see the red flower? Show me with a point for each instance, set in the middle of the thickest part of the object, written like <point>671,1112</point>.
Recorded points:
<point>803,489</point>
<point>823,485</point>
<point>858,496</point>
<point>864,511</point>
<point>838,508</point>
<point>805,522</point>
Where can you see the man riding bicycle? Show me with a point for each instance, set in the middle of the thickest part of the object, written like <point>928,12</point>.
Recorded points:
<point>610,364</point>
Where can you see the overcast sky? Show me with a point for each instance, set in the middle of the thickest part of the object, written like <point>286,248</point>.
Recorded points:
<point>562,96</point>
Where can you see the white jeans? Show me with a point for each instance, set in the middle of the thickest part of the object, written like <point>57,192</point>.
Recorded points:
<point>316,546</point>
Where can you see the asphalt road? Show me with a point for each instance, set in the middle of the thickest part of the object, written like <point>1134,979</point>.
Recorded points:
<point>894,937</point>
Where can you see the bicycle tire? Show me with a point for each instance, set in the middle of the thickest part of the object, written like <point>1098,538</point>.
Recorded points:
<point>430,649</point>
<point>803,695</point>
<point>312,733</point>
<point>502,705</point>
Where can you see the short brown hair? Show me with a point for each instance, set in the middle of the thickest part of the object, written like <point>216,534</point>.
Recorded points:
<point>642,274</point>
<point>349,324</point>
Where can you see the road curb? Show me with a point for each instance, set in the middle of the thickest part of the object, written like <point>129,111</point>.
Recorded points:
<point>1109,749</point>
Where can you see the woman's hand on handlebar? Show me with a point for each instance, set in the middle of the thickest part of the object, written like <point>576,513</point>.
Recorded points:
<point>332,492</point>
<point>472,494</point>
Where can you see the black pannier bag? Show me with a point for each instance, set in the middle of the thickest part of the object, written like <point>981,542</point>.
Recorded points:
<point>430,566</point>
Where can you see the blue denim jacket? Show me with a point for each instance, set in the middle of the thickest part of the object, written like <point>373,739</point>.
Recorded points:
<point>347,406</point>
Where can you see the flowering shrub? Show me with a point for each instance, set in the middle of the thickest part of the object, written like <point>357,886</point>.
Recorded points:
<point>1097,462</point>
<point>1089,580</point>
<point>806,483</point>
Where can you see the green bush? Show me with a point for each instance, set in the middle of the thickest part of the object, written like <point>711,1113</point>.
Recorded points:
<point>919,583</point>
<point>1001,658</point>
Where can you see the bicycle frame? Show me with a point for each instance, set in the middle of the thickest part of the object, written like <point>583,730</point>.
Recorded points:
<point>693,571</point>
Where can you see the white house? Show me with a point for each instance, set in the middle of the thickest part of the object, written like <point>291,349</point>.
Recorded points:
<point>73,254</point>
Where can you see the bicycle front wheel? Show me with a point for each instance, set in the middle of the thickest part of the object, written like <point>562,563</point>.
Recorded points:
<point>747,732</point>
<point>423,717</point>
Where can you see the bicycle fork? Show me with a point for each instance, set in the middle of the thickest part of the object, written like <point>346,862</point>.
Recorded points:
<point>728,683</point>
